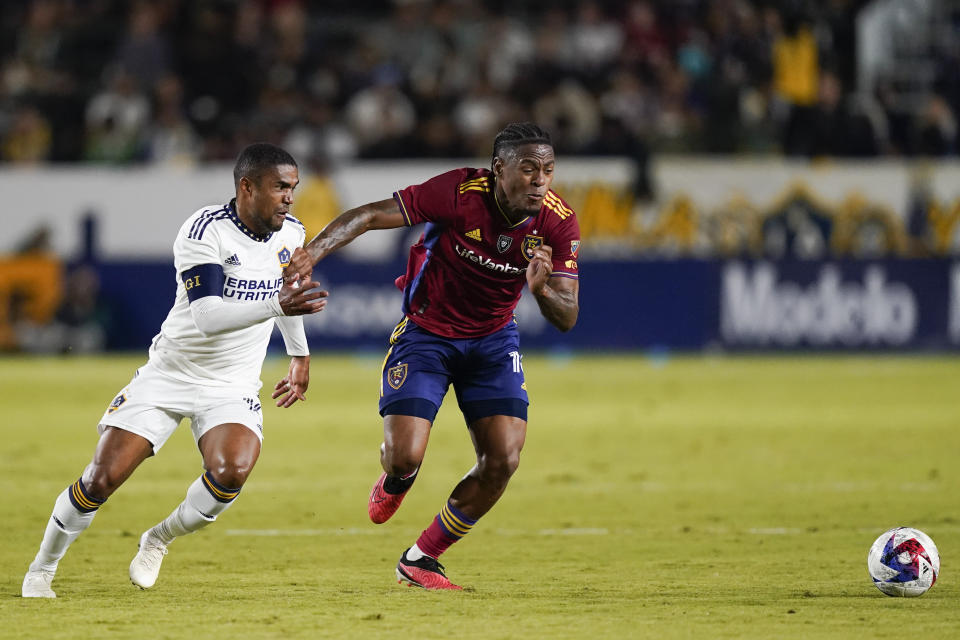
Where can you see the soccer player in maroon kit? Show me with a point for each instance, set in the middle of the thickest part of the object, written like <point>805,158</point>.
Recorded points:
<point>487,233</point>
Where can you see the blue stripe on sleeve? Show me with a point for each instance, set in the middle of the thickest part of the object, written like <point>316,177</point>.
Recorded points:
<point>198,234</point>
<point>203,219</point>
<point>203,280</point>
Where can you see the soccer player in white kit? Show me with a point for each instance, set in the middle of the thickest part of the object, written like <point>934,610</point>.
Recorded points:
<point>204,365</point>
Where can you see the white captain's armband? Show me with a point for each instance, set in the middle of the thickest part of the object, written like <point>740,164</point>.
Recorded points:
<point>203,280</point>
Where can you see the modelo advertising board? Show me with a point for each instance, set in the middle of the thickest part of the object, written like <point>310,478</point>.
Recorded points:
<point>874,305</point>
<point>685,304</point>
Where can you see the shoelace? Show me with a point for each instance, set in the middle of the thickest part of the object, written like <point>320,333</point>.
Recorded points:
<point>154,552</point>
<point>46,576</point>
<point>431,564</point>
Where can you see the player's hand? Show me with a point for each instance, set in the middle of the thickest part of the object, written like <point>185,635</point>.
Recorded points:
<point>294,386</point>
<point>300,267</point>
<point>540,268</point>
<point>302,300</point>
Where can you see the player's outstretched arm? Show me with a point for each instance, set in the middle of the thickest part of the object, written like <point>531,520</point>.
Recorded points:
<point>558,298</point>
<point>293,387</point>
<point>213,315</point>
<point>384,214</point>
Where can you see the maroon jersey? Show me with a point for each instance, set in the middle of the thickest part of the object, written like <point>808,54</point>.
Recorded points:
<point>465,275</point>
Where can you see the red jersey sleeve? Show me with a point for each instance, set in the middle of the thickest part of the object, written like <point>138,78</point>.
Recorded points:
<point>564,239</point>
<point>432,201</point>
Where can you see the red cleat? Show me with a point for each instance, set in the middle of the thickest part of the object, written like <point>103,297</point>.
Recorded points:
<point>425,573</point>
<point>382,505</point>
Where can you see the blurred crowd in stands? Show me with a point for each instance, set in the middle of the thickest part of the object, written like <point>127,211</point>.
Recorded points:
<point>184,81</point>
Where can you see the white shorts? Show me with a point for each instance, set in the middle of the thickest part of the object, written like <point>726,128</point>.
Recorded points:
<point>153,404</point>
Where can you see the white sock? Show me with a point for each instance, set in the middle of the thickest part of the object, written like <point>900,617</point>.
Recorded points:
<point>65,524</point>
<point>196,511</point>
<point>414,553</point>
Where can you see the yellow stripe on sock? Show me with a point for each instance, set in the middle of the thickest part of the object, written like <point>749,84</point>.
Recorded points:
<point>459,522</point>
<point>81,499</point>
<point>226,495</point>
<point>454,524</point>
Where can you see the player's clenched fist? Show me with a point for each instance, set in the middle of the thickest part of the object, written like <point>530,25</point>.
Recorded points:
<point>301,266</point>
<point>540,268</point>
<point>304,299</point>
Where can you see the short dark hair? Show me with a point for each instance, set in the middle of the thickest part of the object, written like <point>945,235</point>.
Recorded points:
<point>258,158</point>
<point>519,133</point>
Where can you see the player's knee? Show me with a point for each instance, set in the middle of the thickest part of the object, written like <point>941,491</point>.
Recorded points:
<point>399,463</point>
<point>232,474</point>
<point>100,483</point>
<point>401,466</point>
<point>499,468</point>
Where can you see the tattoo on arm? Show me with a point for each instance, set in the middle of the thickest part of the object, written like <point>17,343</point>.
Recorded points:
<point>384,214</point>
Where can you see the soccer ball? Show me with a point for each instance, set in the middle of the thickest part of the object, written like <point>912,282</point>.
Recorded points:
<point>904,562</point>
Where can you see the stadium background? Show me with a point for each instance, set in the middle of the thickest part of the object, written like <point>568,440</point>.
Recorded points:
<point>764,176</point>
<point>748,175</point>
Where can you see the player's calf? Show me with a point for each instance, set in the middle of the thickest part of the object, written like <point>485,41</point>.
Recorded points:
<point>205,500</point>
<point>73,512</point>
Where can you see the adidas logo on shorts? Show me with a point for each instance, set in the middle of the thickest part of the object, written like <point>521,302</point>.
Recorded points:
<point>233,261</point>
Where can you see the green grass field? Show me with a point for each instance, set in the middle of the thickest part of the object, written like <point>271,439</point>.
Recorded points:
<point>685,498</point>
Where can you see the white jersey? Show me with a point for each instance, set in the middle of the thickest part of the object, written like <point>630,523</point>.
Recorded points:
<point>253,270</point>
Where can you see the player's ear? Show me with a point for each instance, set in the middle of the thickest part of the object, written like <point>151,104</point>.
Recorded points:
<point>245,185</point>
<point>497,166</point>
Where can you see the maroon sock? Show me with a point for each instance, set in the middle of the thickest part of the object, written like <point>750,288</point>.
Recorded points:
<point>449,526</point>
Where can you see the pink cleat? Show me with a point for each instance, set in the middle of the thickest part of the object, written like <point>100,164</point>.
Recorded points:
<point>426,573</point>
<point>382,505</point>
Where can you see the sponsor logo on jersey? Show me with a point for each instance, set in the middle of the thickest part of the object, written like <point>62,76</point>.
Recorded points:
<point>397,375</point>
<point>119,400</point>
<point>474,235</point>
<point>574,247</point>
<point>483,261</point>
<point>242,289</point>
<point>503,243</point>
<point>232,261</point>
<point>570,264</point>
<point>284,256</point>
<point>531,244</point>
